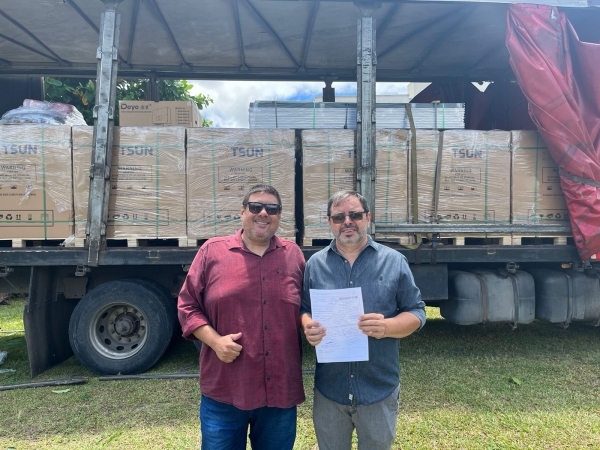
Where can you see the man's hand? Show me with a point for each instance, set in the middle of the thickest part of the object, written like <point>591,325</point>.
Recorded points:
<point>372,325</point>
<point>226,348</point>
<point>313,331</point>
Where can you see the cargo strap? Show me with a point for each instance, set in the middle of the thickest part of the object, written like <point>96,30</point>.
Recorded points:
<point>413,166</point>
<point>579,179</point>
<point>346,120</point>
<point>438,175</point>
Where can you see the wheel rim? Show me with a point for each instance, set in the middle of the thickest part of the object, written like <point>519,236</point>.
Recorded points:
<point>119,330</point>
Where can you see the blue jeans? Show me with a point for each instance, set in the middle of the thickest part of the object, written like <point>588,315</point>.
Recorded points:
<point>225,427</point>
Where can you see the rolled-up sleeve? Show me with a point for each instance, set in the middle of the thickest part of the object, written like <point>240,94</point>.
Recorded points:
<point>408,296</point>
<point>190,306</point>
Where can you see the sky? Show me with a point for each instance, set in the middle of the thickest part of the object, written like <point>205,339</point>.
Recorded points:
<point>232,98</point>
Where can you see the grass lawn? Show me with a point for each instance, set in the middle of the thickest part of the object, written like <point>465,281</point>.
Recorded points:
<point>477,387</point>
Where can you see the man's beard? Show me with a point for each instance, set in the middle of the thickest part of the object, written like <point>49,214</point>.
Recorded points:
<point>358,237</point>
<point>258,238</point>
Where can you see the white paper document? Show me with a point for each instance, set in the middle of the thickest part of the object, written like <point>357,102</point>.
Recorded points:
<point>338,310</point>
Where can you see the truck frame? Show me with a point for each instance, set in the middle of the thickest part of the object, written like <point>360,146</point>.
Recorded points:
<point>120,330</point>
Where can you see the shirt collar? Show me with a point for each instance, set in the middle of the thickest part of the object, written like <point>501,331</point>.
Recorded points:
<point>236,241</point>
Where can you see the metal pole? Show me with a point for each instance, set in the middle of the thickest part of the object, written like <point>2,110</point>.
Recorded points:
<point>328,90</point>
<point>365,108</point>
<point>106,84</point>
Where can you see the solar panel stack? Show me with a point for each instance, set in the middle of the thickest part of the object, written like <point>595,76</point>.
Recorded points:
<point>312,115</point>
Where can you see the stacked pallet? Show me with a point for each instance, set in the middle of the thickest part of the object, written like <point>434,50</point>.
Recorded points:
<point>147,183</point>
<point>163,187</point>
<point>223,164</point>
<point>35,183</point>
<point>324,115</point>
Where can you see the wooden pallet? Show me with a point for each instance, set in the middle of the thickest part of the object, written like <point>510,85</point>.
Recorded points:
<point>22,243</point>
<point>502,239</point>
<point>322,242</point>
<point>461,239</point>
<point>137,242</point>
<point>554,239</point>
<point>195,241</point>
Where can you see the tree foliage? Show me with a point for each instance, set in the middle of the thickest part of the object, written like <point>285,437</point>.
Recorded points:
<point>81,93</point>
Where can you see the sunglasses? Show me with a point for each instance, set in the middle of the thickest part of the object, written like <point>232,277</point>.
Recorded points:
<point>272,209</point>
<point>353,215</point>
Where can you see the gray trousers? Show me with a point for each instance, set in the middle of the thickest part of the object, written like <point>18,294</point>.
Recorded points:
<point>375,424</point>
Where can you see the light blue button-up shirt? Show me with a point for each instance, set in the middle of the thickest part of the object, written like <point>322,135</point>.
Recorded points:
<point>388,288</point>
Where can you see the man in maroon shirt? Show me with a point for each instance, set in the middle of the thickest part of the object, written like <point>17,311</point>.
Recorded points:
<point>241,298</point>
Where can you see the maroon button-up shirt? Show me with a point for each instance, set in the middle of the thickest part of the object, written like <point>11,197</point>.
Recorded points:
<point>234,290</point>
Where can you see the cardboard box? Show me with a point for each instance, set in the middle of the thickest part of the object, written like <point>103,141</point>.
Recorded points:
<point>427,150</point>
<point>474,182</point>
<point>329,165</point>
<point>223,164</point>
<point>35,182</point>
<point>536,195</point>
<point>137,113</point>
<point>147,182</point>
<point>391,183</point>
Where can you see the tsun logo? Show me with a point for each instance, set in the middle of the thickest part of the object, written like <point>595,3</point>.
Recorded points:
<point>466,153</point>
<point>250,152</point>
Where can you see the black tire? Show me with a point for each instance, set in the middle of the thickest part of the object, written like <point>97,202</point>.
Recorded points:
<point>169,301</point>
<point>122,326</point>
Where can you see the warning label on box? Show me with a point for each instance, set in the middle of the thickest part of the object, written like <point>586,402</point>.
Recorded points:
<point>344,177</point>
<point>240,175</point>
<point>132,173</point>
<point>550,175</point>
<point>221,216</point>
<point>464,175</point>
<point>138,217</point>
<point>18,173</point>
<point>26,218</point>
<point>548,214</point>
<point>458,216</point>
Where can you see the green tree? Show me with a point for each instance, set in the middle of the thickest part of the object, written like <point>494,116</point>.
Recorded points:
<point>81,93</point>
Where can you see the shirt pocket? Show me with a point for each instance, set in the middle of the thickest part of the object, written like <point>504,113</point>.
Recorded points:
<point>384,301</point>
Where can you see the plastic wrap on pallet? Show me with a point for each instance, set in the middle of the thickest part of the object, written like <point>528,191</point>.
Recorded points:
<point>329,165</point>
<point>536,195</point>
<point>474,181</point>
<point>36,111</point>
<point>147,182</point>
<point>427,151</point>
<point>223,164</point>
<point>391,182</point>
<point>35,182</point>
<point>330,115</point>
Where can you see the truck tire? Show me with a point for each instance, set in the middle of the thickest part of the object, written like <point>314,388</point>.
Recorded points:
<point>121,327</point>
<point>169,301</point>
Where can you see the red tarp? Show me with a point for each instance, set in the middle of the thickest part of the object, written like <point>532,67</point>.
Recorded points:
<point>560,76</point>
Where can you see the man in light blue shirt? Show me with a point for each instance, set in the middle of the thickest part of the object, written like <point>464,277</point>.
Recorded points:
<point>362,395</point>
